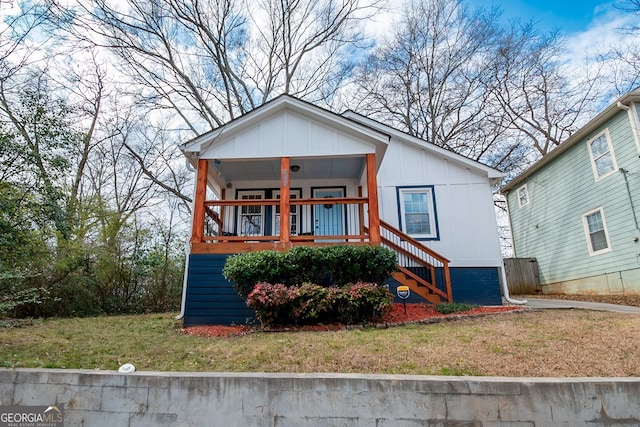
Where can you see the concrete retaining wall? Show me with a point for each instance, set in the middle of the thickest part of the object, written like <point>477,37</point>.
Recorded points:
<point>99,398</point>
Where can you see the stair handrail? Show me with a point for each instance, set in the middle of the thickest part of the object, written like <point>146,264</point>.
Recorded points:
<point>420,248</point>
<point>413,242</point>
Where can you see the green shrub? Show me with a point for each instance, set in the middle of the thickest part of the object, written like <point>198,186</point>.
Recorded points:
<point>447,307</point>
<point>17,301</point>
<point>305,265</point>
<point>330,265</point>
<point>247,269</point>
<point>315,304</point>
<point>311,304</point>
<point>363,303</point>
<point>351,264</point>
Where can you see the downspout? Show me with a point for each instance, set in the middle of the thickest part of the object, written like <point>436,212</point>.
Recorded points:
<point>633,209</point>
<point>633,121</point>
<point>505,289</point>
<point>621,106</point>
<point>187,250</point>
<point>503,274</point>
<point>636,136</point>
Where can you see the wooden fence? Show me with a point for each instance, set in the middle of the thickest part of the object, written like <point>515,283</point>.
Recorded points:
<point>523,277</point>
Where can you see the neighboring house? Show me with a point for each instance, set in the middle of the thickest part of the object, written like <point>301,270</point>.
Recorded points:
<point>290,173</point>
<point>577,210</point>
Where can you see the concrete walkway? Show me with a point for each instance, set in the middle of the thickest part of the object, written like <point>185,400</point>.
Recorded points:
<point>585,305</point>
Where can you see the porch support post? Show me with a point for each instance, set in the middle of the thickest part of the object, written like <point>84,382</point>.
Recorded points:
<point>285,207</point>
<point>197,230</point>
<point>372,194</point>
<point>361,214</point>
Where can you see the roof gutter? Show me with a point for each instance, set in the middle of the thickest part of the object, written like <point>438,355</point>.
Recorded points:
<point>582,133</point>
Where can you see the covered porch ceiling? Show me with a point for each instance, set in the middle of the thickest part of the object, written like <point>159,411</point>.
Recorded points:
<point>310,168</point>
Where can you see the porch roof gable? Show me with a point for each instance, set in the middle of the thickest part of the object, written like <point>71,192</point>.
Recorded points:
<point>287,127</point>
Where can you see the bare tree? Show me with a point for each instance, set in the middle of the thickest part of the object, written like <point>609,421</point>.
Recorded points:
<point>622,61</point>
<point>208,62</point>
<point>631,6</point>
<point>458,79</point>
<point>623,67</point>
<point>199,64</point>
<point>304,48</point>
<point>429,79</point>
<point>543,100</point>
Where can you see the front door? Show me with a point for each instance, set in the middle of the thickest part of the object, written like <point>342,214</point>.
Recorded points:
<point>329,219</point>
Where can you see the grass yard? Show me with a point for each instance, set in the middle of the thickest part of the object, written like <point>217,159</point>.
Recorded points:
<point>564,343</point>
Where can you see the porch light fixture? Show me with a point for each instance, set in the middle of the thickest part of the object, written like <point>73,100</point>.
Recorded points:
<point>294,168</point>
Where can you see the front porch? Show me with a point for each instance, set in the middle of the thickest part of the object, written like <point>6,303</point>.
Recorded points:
<point>251,220</point>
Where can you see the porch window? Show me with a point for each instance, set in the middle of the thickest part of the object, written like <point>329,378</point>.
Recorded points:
<point>294,214</point>
<point>595,229</point>
<point>417,212</point>
<point>601,152</point>
<point>251,218</point>
<point>523,196</point>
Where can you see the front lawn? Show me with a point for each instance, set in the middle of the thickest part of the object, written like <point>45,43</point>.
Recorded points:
<point>543,343</point>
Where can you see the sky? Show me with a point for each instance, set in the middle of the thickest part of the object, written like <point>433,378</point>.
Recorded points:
<point>590,22</point>
<point>571,16</point>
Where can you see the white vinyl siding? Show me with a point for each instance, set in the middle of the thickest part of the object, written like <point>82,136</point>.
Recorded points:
<point>595,229</point>
<point>603,160</point>
<point>523,196</point>
<point>418,213</point>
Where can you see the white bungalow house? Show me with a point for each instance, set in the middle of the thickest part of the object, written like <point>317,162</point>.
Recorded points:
<point>290,173</point>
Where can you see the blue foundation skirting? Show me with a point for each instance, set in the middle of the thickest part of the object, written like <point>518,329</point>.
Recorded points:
<point>211,299</point>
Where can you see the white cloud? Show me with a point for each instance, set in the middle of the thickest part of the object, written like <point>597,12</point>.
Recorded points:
<point>585,50</point>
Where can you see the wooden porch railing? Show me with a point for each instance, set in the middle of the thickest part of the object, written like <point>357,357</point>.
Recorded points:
<point>412,254</point>
<point>223,231</point>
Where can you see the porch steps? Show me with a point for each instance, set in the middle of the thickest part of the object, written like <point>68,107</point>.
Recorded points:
<point>425,271</point>
<point>407,278</point>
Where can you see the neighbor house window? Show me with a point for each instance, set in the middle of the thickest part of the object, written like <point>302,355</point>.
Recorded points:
<point>523,196</point>
<point>595,229</point>
<point>417,212</point>
<point>602,159</point>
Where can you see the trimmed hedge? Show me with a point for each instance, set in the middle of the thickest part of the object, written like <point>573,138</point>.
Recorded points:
<point>327,265</point>
<point>310,304</point>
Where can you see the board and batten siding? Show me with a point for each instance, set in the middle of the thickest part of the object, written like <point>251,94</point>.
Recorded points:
<point>550,227</point>
<point>287,135</point>
<point>468,234</point>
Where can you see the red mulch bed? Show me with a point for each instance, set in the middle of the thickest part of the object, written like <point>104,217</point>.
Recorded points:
<point>415,313</point>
